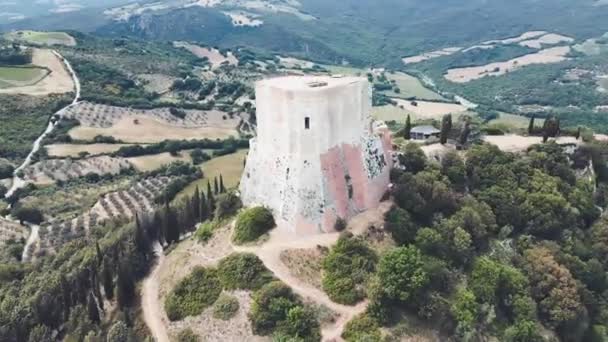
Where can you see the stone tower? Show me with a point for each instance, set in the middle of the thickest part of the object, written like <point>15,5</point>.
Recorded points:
<point>318,156</point>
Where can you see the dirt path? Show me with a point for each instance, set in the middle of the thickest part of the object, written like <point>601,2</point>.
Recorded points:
<point>281,240</point>
<point>150,301</point>
<point>269,253</point>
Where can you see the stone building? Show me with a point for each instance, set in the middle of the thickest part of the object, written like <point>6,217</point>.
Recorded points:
<point>318,156</point>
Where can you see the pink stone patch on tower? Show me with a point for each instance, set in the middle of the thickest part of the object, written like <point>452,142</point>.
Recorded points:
<point>317,156</point>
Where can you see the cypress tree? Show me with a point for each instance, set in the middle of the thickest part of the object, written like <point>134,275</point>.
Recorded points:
<point>208,188</point>
<point>125,286</point>
<point>408,128</point>
<point>578,133</point>
<point>446,123</point>
<point>222,188</point>
<point>92,309</point>
<point>211,204</point>
<point>531,126</point>
<point>107,281</point>
<point>216,188</point>
<point>204,209</point>
<point>196,205</point>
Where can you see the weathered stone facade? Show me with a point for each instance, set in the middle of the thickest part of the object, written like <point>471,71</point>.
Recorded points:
<point>318,155</point>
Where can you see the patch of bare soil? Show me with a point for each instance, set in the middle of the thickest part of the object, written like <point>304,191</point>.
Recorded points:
<point>430,55</point>
<point>58,81</point>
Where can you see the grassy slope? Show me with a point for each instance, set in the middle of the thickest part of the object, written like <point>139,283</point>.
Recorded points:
<point>229,166</point>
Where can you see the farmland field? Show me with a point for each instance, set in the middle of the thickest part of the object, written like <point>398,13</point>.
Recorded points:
<point>148,130</point>
<point>58,81</point>
<point>42,38</point>
<point>410,86</point>
<point>16,76</point>
<point>230,167</point>
<point>155,161</point>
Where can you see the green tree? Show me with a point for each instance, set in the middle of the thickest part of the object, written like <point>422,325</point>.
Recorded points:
<point>401,226</point>
<point>119,332</point>
<point>401,271</point>
<point>346,267</point>
<point>412,158</point>
<point>553,287</point>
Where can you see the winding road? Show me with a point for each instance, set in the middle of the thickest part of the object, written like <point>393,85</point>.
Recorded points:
<point>19,182</point>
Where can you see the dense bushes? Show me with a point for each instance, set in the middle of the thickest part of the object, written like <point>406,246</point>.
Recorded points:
<point>187,335</point>
<point>243,271</point>
<point>346,269</point>
<point>362,328</point>
<point>6,170</point>
<point>225,307</point>
<point>193,294</point>
<point>497,244</point>
<point>252,223</point>
<point>221,147</point>
<point>277,310</point>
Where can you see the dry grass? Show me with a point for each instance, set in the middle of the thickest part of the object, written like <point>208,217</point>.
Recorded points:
<point>305,264</point>
<point>148,130</point>
<point>74,150</point>
<point>155,161</point>
<point>548,39</point>
<point>424,110</point>
<point>58,81</point>
<point>515,121</point>
<point>518,143</point>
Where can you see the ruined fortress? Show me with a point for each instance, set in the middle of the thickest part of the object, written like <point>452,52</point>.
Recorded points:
<point>318,155</point>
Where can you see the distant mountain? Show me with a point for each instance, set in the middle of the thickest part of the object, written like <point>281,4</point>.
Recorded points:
<point>360,31</point>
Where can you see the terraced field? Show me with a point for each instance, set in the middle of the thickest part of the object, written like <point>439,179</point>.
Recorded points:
<point>51,170</point>
<point>122,204</point>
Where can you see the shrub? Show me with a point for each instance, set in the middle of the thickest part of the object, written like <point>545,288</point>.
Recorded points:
<point>193,294</point>
<point>346,268</point>
<point>6,170</point>
<point>205,232</point>
<point>340,224</point>
<point>362,328</point>
<point>252,223</point>
<point>227,205</point>
<point>187,335</point>
<point>26,214</point>
<point>243,271</point>
<point>225,307</point>
<point>277,309</point>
